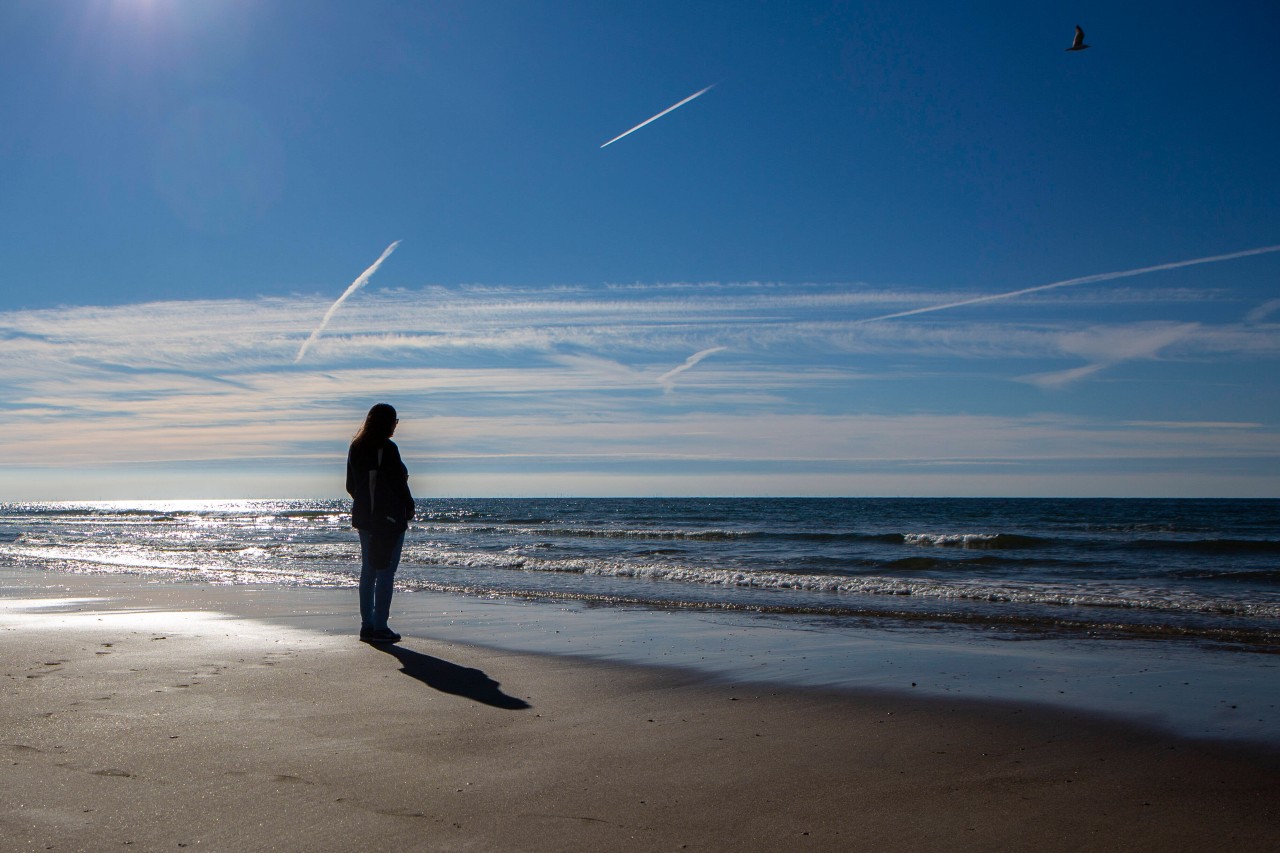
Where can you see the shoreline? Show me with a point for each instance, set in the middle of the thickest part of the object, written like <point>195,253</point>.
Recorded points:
<point>1184,688</point>
<point>162,715</point>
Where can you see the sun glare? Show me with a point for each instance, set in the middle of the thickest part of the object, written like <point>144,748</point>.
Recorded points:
<point>148,13</point>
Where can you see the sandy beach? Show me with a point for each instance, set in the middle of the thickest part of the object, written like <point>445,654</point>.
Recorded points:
<point>155,717</point>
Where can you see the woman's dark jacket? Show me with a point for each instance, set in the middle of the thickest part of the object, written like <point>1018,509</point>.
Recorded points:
<point>381,502</point>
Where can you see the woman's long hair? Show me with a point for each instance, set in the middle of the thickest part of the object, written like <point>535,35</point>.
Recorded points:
<point>378,425</point>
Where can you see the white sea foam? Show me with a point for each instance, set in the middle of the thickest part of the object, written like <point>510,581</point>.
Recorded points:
<point>1112,596</point>
<point>1157,565</point>
<point>963,540</point>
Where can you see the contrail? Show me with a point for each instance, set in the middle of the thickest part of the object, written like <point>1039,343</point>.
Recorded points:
<point>355,285</point>
<point>661,114</point>
<point>667,380</point>
<point>1257,315</point>
<point>1087,279</point>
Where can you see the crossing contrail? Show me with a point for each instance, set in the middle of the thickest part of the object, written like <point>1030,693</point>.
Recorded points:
<point>355,285</point>
<point>668,379</point>
<point>1087,279</point>
<point>661,114</point>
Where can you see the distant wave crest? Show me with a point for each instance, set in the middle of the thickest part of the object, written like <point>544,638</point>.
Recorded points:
<point>975,541</point>
<point>1135,598</point>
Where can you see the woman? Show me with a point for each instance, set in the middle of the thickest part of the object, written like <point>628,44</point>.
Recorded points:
<point>381,508</point>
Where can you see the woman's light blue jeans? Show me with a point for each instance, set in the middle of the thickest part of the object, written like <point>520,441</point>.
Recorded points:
<point>379,558</point>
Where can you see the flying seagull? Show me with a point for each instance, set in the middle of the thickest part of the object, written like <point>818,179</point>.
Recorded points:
<point>1078,42</point>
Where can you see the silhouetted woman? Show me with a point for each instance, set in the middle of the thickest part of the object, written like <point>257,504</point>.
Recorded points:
<point>381,508</point>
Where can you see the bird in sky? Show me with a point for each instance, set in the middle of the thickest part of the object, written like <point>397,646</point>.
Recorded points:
<point>1078,42</point>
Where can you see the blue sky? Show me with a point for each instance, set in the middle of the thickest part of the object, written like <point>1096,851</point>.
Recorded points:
<point>188,187</point>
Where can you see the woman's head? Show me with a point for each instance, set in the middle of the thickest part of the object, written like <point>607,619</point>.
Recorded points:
<point>379,424</point>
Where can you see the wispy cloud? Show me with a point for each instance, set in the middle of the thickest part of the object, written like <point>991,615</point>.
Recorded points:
<point>460,327</point>
<point>559,382</point>
<point>1113,344</point>
<point>1108,346</point>
<point>1195,425</point>
<point>1062,378</point>
<point>1263,311</point>
<point>360,282</point>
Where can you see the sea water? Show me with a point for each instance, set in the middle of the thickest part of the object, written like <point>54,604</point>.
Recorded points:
<point>1177,571</point>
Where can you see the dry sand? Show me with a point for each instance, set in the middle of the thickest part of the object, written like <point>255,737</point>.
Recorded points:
<point>151,723</point>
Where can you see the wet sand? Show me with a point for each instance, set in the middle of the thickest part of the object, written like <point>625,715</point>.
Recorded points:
<point>152,717</point>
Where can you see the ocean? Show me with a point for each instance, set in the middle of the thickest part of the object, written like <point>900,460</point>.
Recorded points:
<point>1201,572</point>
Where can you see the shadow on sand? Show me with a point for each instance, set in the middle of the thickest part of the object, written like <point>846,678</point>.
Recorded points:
<point>451,678</point>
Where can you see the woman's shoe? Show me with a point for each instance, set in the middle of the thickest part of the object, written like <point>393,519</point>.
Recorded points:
<point>381,635</point>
